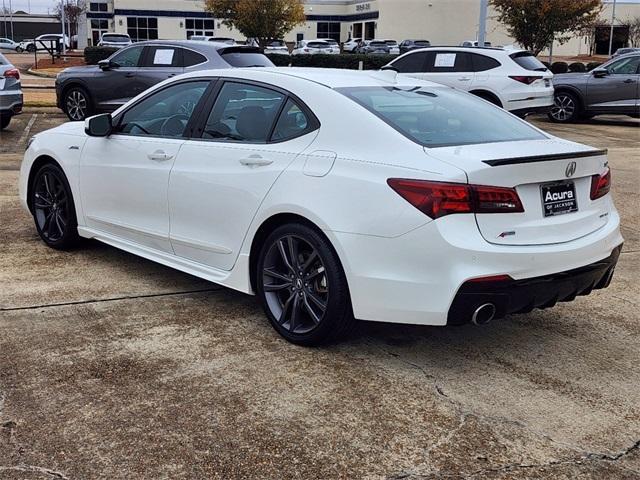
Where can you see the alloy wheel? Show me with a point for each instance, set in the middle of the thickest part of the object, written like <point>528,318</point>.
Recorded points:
<point>295,284</point>
<point>564,108</point>
<point>76,105</point>
<point>51,206</point>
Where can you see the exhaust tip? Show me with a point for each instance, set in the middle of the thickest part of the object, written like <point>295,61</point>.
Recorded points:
<point>483,314</point>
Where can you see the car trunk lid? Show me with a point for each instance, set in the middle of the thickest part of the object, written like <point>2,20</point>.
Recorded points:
<point>551,174</point>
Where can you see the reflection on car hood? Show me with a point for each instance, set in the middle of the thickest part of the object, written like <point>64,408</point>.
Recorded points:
<point>87,70</point>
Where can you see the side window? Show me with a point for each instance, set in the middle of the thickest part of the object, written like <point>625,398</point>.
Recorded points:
<point>625,66</point>
<point>165,113</point>
<point>163,57</point>
<point>482,63</point>
<point>129,57</point>
<point>191,58</point>
<point>412,63</point>
<point>243,113</point>
<point>292,122</point>
<point>448,61</point>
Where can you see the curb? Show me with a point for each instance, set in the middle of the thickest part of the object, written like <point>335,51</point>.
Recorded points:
<point>35,73</point>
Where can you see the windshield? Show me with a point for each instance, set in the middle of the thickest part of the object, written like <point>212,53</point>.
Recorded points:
<point>438,117</point>
<point>276,43</point>
<point>528,61</point>
<point>246,59</point>
<point>115,38</point>
<point>426,43</point>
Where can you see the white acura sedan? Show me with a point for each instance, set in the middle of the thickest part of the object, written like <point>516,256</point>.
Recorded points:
<point>438,208</point>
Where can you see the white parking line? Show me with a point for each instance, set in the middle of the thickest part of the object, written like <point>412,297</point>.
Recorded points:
<point>27,130</point>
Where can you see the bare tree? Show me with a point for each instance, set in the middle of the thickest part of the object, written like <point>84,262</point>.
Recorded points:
<point>73,10</point>
<point>634,31</point>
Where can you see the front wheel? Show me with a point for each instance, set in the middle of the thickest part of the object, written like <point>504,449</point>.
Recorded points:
<point>19,49</point>
<point>302,286</point>
<point>565,108</point>
<point>53,208</point>
<point>31,48</point>
<point>4,122</point>
<point>77,104</point>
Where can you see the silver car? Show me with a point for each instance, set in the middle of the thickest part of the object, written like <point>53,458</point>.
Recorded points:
<point>11,99</point>
<point>612,88</point>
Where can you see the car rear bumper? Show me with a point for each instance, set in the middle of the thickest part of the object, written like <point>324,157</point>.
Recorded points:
<point>11,102</point>
<point>415,278</point>
<point>523,112</point>
<point>508,296</point>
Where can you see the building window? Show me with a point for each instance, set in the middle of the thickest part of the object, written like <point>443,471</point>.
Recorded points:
<point>98,27</point>
<point>142,28</point>
<point>199,26</point>
<point>329,30</point>
<point>97,7</point>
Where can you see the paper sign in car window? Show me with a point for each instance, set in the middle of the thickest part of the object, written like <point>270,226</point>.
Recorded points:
<point>163,57</point>
<point>445,60</point>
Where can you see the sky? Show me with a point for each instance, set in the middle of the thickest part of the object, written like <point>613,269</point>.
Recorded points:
<point>41,6</point>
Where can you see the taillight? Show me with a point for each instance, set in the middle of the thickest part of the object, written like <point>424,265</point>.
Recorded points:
<point>524,79</point>
<point>12,73</point>
<point>437,199</point>
<point>600,185</point>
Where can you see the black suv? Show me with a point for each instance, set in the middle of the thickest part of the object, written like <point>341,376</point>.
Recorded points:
<point>84,91</point>
<point>408,45</point>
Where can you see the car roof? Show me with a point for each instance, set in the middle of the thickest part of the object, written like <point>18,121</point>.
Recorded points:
<point>328,77</point>
<point>193,44</point>
<point>489,50</point>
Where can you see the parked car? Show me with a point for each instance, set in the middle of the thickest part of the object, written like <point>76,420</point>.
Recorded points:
<point>335,46</point>
<point>243,177</point>
<point>202,38</point>
<point>8,44</point>
<point>312,47</point>
<point>612,88</point>
<point>115,40</point>
<point>11,100</point>
<point>624,51</point>
<point>351,45</point>
<point>513,80</point>
<point>373,47</point>
<point>394,47</point>
<point>83,91</point>
<point>43,42</point>
<point>278,47</point>
<point>474,43</point>
<point>408,45</point>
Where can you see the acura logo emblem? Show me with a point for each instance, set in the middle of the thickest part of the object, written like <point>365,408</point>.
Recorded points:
<point>571,169</point>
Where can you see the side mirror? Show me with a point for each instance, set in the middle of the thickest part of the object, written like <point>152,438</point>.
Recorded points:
<point>106,64</point>
<point>99,126</point>
<point>600,72</point>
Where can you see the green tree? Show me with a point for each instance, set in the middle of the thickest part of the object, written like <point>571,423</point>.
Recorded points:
<point>534,24</point>
<point>261,19</point>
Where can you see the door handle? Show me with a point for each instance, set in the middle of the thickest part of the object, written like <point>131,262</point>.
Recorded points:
<point>464,79</point>
<point>159,156</point>
<point>629,80</point>
<point>255,161</point>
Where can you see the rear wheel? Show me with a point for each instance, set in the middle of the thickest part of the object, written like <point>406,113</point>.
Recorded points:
<point>53,208</point>
<point>31,48</point>
<point>302,286</point>
<point>77,104</point>
<point>489,98</point>
<point>566,108</point>
<point>4,122</point>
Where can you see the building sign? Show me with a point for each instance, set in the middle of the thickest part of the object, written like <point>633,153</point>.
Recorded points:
<point>363,7</point>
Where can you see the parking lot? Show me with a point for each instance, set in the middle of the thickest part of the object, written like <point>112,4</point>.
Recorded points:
<point>115,367</point>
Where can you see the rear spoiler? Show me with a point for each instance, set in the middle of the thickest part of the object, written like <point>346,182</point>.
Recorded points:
<point>544,158</point>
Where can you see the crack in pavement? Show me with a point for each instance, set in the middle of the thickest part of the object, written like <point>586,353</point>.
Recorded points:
<point>34,469</point>
<point>111,299</point>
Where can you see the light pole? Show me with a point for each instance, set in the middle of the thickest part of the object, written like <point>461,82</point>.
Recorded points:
<point>4,19</point>
<point>11,18</point>
<point>613,19</point>
<point>482,24</point>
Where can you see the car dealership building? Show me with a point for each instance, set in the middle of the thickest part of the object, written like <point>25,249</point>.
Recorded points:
<point>442,22</point>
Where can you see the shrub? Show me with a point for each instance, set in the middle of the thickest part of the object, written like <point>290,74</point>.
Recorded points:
<point>559,67</point>
<point>577,67</point>
<point>345,61</point>
<point>592,65</point>
<point>92,55</point>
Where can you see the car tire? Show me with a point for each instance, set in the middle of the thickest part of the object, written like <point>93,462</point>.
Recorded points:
<point>31,48</point>
<point>566,108</point>
<point>4,122</point>
<point>77,104</point>
<point>303,287</point>
<point>489,98</point>
<point>53,208</point>
<point>19,49</point>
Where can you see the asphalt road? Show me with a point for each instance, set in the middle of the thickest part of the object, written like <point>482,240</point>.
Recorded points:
<point>114,367</point>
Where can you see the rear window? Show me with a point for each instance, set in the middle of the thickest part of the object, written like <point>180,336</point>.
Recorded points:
<point>318,45</point>
<point>238,58</point>
<point>378,44</point>
<point>438,117</point>
<point>528,61</point>
<point>422,43</point>
<point>115,38</point>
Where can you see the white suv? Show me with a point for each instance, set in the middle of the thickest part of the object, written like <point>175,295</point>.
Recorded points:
<point>512,79</point>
